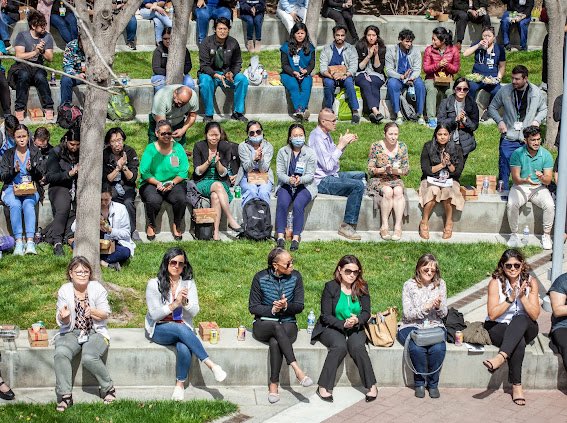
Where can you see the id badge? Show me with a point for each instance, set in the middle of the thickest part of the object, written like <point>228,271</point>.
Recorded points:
<point>300,168</point>
<point>490,62</point>
<point>178,314</point>
<point>62,11</point>
<point>26,179</point>
<point>174,161</point>
<point>295,59</point>
<point>518,126</point>
<point>83,337</point>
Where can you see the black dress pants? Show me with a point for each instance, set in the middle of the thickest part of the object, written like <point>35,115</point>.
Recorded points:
<point>280,337</point>
<point>25,78</point>
<point>63,214</point>
<point>344,17</point>
<point>462,18</point>
<point>153,199</point>
<point>5,100</point>
<point>559,338</point>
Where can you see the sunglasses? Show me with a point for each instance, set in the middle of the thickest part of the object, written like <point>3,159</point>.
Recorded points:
<point>166,134</point>
<point>286,265</point>
<point>349,272</point>
<point>176,263</point>
<point>257,132</point>
<point>428,270</point>
<point>462,89</point>
<point>514,265</point>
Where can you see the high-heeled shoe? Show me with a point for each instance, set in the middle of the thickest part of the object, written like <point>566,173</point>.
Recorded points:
<point>8,395</point>
<point>424,230</point>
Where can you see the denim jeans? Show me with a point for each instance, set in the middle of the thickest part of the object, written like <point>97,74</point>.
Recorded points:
<point>208,85</point>
<point>120,255</point>
<point>251,191</point>
<point>424,359</point>
<point>347,184</point>
<point>131,29</point>
<point>160,21</point>
<point>66,25</point>
<point>299,201</point>
<point>186,343</point>
<point>507,147</point>
<point>329,86</point>
<point>17,204</point>
<point>395,88</point>
<point>253,24</point>
<point>5,22</point>
<point>523,27</point>
<point>67,85</point>
<point>37,78</point>
<point>300,93</point>
<point>475,87</point>
<point>370,90</point>
<point>204,14</point>
<point>158,81</point>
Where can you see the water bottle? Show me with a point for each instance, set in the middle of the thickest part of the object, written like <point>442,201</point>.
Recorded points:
<point>485,185</point>
<point>265,77</point>
<point>237,191</point>
<point>310,322</point>
<point>289,226</point>
<point>525,235</point>
<point>52,81</point>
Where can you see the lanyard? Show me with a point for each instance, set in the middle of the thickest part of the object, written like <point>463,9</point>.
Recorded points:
<point>519,101</point>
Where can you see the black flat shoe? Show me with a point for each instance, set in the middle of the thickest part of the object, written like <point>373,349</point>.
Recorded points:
<point>178,237</point>
<point>238,230</point>
<point>434,393</point>
<point>326,399</point>
<point>9,395</point>
<point>369,398</point>
<point>150,237</point>
<point>420,391</point>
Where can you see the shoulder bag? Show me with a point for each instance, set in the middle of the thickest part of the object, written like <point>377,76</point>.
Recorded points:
<point>424,338</point>
<point>382,331</point>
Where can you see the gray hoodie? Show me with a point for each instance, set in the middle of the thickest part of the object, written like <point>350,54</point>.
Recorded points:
<point>350,57</point>
<point>391,65</point>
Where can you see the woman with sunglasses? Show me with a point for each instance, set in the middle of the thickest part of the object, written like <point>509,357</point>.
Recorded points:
<point>513,309</point>
<point>82,313</point>
<point>276,297</point>
<point>345,310</point>
<point>424,300</point>
<point>460,113</point>
<point>173,302</point>
<point>255,176</point>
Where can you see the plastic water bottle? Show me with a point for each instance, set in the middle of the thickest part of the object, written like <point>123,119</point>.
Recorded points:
<point>485,185</point>
<point>265,77</point>
<point>525,235</point>
<point>310,322</point>
<point>290,221</point>
<point>53,81</point>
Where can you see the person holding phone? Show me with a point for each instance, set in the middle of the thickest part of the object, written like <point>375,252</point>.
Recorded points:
<point>173,302</point>
<point>291,12</point>
<point>513,309</point>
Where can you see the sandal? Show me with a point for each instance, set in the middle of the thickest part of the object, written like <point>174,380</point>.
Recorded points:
<point>397,235</point>
<point>385,234</point>
<point>448,231</point>
<point>488,364</point>
<point>424,230</point>
<point>521,401</point>
<point>110,396</point>
<point>65,403</point>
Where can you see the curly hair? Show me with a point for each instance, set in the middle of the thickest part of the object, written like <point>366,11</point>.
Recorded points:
<point>499,274</point>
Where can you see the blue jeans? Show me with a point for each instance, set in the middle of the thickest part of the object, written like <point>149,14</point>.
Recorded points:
<point>300,199</point>
<point>370,90</point>
<point>120,255</point>
<point>300,93</point>
<point>251,191</point>
<point>158,81</point>
<point>477,86</point>
<point>17,204</point>
<point>424,359</point>
<point>66,25</point>
<point>131,29</point>
<point>523,26</point>
<point>186,343</point>
<point>507,147</point>
<point>208,85</point>
<point>5,22</point>
<point>347,184</point>
<point>253,24</point>
<point>395,88</point>
<point>329,86</point>
<point>67,85</point>
<point>160,21</point>
<point>204,14</point>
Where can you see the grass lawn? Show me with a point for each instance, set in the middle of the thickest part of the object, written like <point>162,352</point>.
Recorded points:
<point>195,411</point>
<point>224,271</point>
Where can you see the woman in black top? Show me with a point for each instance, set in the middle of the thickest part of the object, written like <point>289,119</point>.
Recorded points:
<point>276,297</point>
<point>159,63</point>
<point>341,11</point>
<point>441,165</point>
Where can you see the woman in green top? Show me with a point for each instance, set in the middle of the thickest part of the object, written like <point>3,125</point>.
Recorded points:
<point>345,309</point>
<point>211,160</point>
<point>163,168</point>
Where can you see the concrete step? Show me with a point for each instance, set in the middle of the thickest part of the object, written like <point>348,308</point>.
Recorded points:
<point>274,33</point>
<point>134,361</point>
<point>486,215</point>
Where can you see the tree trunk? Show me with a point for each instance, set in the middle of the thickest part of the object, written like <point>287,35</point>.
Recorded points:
<point>312,19</point>
<point>557,11</point>
<point>178,46</point>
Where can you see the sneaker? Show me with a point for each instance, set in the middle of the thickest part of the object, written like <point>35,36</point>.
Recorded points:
<point>355,119</point>
<point>58,249</point>
<point>514,241</point>
<point>485,116</point>
<point>207,119</point>
<point>546,242</point>
<point>219,373</point>
<point>19,248</point>
<point>421,121</point>
<point>178,394</point>
<point>280,243</point>
<point>131,45</point>
<point>306,114</point>
<point>239,116</point>
<point>399,119</point>
<point>298,114</point>
<point>432,123</point>
<point>294,246</point>
<point>376,119</point>
<point>348,232</point>
<point>115,266</point>
<point>30,248</point>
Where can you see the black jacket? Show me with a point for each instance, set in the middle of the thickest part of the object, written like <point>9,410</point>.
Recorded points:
<point>329,301</point>
<point>232,56</point>
<point>334,4</point>
<point>109,164</point>
<point>464,5</point>
<point>59,163</point>
<point>159,60</point>
<point>8,171</point>
<point>557,109</point>
<point>430,157</point>
<point>447,114</point>
<point>201,155</point>
<point>362,51</point>
<point>514,6</point>
<point>43,158</point>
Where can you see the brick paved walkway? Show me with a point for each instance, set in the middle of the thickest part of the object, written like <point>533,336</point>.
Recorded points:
<point>457,405</point>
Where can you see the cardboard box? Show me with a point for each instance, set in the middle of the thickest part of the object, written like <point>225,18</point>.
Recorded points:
<point>492,182</point>
<point>258,178</point>
<point>39,338</point>
<point>205,330</point>
<point>107,246</point>
<point>469,193</point>
<point>206,215</point>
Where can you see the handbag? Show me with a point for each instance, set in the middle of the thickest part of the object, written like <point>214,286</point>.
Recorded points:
<point>423,338</point>
<point>382,333</point>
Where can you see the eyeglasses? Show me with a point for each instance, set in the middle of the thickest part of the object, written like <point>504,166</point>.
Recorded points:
<point>349,272</point>
<point>176,263</point>
<point>257,132</point>
<point>427,270</point>
<point>81,272</point>
<point>166,134</point>
<point>462,89</point>
<point>286,265</point>
<point>509,266</point>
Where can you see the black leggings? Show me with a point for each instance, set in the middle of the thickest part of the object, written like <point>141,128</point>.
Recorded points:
<point>280,337</point>
<point>512,339</point>
<point>343,17</point>
<point>63,213</point>
<point>559,338</point>
<point>153,199</point>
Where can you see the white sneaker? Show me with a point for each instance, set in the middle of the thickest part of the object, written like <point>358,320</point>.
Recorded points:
<point>219,373</point>
<point>514,241</point>
<point>546,243</point>
<point>421,121</point>
<point>178,394</point>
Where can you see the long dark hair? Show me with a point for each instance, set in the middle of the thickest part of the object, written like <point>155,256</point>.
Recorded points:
<point>360,286</point>
<point>424,260</point>
<point>450,148</point>
<point>73,134</point>
<point>292,43</point>
<point>363,44</point>
<point>164,283</point>
<point>444,35</point>
<point>499,274</point>
<point>291,128</point>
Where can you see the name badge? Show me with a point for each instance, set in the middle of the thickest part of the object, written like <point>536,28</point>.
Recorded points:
<point>518,126</point>
<point>490,62</point>
<point>62,11</point>
<point>300,167</point>
<point>178,314</point>
<point>174,161</point>
<point>295,59</point>
<point>164,55</point>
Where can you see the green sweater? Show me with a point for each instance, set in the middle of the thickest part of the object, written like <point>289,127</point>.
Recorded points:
<point>156,165</point>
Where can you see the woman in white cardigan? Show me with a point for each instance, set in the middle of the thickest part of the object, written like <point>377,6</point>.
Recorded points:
<point>82,310</point>
<point>172,303</point>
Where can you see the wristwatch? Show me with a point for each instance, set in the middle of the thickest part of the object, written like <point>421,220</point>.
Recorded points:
<point>509,301</point>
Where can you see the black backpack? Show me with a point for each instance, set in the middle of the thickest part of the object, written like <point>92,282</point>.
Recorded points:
<point>256,220</point>
<point>69,115</point>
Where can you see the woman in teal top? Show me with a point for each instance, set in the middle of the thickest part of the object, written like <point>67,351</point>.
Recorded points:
<point>163,168</point>
<point>345,309</point>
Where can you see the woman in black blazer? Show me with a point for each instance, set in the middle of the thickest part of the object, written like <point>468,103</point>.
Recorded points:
<point>345,309</point>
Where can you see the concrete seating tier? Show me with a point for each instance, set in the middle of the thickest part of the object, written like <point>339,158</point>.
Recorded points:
<point>486,215</point>
<point>134,361</point>
<point>274,33</point>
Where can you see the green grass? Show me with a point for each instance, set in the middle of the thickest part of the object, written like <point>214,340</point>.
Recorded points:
<point>224,272</point>
<point>195,411</point>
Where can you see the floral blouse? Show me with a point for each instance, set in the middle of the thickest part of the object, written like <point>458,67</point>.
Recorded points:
<point>414,301</point>
<point>379,157</point>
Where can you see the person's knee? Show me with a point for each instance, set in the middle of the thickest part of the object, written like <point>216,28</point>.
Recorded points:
<point>23,76</point>
<point>62,353</point>
<point>387,192</point>
<point>339,348</point>
<point>398,192</point>
<point>240,79</point>
<point>217,187</point>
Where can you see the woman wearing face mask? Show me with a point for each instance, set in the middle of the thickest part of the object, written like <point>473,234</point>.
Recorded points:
<point>255,157</point>
<point>295,167</point>
<point>441,165</point>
